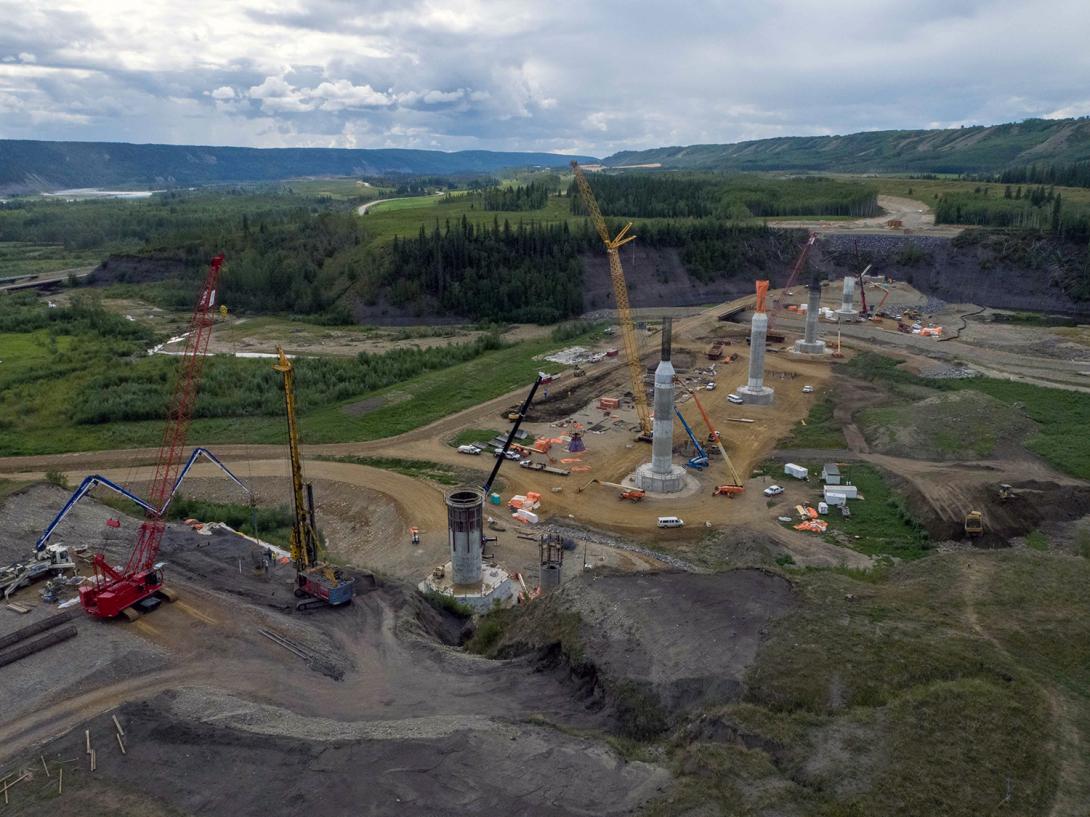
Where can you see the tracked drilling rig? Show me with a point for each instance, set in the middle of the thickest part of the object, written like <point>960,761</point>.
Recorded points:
<point>322,583</point>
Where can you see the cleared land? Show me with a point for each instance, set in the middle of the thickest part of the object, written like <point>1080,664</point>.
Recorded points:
<point>867,671</point>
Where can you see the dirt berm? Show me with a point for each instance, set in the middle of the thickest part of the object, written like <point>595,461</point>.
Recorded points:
<point>653,646</point>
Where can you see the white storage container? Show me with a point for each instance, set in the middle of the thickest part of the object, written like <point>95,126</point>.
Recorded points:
<point>796,471</point>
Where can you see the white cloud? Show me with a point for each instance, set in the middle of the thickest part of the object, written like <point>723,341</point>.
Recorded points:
<point>519,74</point>
<point>343,95</point>
<point>1072,110</point>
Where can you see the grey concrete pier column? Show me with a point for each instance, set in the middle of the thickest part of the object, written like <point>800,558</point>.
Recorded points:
<point>661,475</point>
<point>755,391</point>
<point>810,344</point>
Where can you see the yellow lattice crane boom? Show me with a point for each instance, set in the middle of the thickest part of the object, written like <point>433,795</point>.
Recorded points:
<point>620,295</point>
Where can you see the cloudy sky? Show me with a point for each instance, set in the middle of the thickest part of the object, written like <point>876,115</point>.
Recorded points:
<point>587,77</point>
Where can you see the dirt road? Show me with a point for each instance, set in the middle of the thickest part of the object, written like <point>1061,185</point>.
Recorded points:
<point>915,217</point>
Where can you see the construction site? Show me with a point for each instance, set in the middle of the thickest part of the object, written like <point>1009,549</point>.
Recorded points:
<point>617,566</point>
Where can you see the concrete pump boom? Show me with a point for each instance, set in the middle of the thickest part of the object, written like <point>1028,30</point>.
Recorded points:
<point>93,481</point>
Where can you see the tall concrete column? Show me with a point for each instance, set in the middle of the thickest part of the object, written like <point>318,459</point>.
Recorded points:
<point>465,515</point>
<point>755,391</point>
<point>661,475</point>
<point>810,345</point>
<point>847,310</point>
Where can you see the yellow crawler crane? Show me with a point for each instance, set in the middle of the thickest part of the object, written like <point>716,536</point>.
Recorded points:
<point>323,584</point>
<point>620,295</point>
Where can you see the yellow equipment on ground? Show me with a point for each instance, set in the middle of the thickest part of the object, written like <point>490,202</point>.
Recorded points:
<point>322,583</point>
<point>620,294</point>
<point>974,523</point>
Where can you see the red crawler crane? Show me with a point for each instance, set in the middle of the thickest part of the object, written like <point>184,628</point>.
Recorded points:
<point>115,590</point>
<point>792,279</point>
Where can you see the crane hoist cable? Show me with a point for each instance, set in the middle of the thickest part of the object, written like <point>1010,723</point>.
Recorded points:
<point>620,295</point>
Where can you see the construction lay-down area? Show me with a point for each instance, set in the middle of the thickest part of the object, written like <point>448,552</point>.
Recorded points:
<point>816,550</point>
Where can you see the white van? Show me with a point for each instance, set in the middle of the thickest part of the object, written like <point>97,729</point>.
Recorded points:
<point>671,522</point>
<point>734,398</point>
<point>469,449</point>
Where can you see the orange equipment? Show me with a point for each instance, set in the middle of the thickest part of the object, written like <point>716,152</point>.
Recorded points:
<point>735,487</point>
<point>632,494</point>
<point>762,292</point>
<point>727,490</point>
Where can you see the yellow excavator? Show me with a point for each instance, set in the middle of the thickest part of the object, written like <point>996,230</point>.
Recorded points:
<point>317,583</point>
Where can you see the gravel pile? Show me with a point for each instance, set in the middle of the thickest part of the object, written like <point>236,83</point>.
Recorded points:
<point>949,373</point>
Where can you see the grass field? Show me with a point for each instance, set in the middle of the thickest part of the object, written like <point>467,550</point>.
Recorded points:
<point>21,258</point>
<point>418,469</point>
<point>880,524</point>
<point>1061,417</point>
<point>472,435</point>
<point>35,417</point>
<point>337,189</point>
<point>820,429</point>
<point>404,217</point>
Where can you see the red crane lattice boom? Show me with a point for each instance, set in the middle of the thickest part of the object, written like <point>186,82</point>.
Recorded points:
<point>796,270</point>
<point>113,590</point>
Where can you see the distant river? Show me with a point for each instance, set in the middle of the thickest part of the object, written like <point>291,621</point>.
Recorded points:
<point>96,193</point>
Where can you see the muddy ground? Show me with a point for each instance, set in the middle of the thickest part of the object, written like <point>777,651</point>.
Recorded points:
<point>684,639</point>
<point>381,701</point>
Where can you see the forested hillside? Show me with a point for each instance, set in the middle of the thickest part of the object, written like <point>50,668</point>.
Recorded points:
<point>33,166</point>
<point>983,149</point>
<point>645,195</point>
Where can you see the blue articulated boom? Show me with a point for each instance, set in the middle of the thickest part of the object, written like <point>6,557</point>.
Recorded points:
<point>85,486</point>
<point>700,461</point>
<point>96,480</point>
<point>208,455</point>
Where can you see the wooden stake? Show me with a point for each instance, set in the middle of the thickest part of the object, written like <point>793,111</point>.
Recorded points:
<point>117,723</point>
<point>60,781</point>
<point>45,766</point>
<point>87,737</point>
<point>92,760</point>
<point>119,743</point>
<point>13,782</point>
